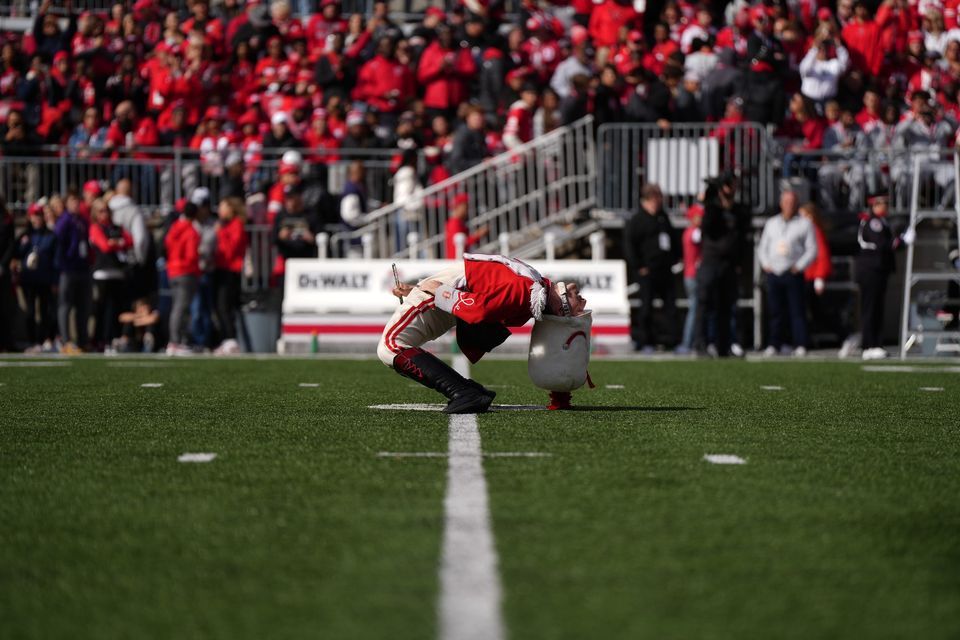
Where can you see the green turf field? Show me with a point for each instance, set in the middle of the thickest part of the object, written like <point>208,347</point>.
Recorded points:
<point>844,523</point>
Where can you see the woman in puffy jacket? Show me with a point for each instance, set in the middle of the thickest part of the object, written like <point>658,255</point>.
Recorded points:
<point>228,261</point>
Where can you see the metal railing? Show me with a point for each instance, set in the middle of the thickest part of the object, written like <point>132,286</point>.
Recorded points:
<point>678,158</point>
<point>161,176</point>
<point>512,195</point>
<point>842,180</point>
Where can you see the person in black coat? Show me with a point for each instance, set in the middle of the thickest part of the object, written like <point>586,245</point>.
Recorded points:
<point>48,36</point>
<point>724,231</point>
<point>37,251</point>
<point>651,249</point>
<point>873,267</point>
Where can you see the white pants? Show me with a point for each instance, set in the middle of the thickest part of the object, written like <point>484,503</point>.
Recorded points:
<point>417,321</point>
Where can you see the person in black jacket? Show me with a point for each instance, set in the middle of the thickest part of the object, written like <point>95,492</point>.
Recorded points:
<point>295,229</point>
<point>724,230</point>
<point>766,63</point>
<point>873,267</point>
<point>651,249</point>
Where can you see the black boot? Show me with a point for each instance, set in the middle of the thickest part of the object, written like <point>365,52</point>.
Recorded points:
<point>465,396</point>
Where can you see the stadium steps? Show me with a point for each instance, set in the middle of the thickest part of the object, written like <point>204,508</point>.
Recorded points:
<point>546,182</point>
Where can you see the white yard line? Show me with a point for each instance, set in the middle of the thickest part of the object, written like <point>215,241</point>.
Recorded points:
<point>152,385</point>
<point>196,457</point>
<point>723,458</point>
<point>906,368</point>
<point>470,593</point>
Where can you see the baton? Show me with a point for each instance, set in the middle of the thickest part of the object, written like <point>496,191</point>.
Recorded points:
<point>396,278</point>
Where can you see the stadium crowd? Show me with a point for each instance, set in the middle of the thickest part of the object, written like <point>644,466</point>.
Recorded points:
<point>231,78</point>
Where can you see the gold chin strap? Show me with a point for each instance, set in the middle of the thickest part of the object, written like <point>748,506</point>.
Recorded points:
<point>561,289</point>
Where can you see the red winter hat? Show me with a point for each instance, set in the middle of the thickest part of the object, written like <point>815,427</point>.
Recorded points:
<point>92,187</point>
<point>824,14</point>
<point>695,210</point>
<point>492,54</point>
<point>436,11</point>
<point>635,36</point>
<point>35,210</point>
<point>286,169</point>
<point>915,36</point>
<point>60,55</point>
<point>460,199</point>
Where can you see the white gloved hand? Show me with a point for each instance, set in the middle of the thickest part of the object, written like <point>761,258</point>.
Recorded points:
<point>819,286</point>
<point>909,236</point>
<point>677,268</point>
<point>696,236</point>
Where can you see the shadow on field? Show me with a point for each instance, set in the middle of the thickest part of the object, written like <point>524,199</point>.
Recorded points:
<point>638,409</point>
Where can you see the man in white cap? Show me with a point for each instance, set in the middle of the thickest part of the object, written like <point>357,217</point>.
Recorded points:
<point>481,296</point>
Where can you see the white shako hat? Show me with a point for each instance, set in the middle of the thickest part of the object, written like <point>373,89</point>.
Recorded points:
<point>560,352</point>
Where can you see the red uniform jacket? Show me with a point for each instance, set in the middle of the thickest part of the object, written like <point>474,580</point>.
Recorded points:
<point>496,289</point>
<point>231,246</point>
<point>182,244</point>
<point>445,88</point>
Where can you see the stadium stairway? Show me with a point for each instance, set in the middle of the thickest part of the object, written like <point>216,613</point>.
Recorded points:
<point>519,202</point>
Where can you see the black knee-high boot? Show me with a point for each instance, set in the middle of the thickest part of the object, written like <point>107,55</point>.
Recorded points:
<point>465,396</point>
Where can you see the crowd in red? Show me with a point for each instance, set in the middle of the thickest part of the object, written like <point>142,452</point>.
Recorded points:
<point>239,75</point>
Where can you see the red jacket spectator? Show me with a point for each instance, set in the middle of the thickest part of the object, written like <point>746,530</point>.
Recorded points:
<point>863,38</point>
<point>323,24</point>
<point>128,131</point>
<point>607,19</point>
<point>100,240</point>
<point>319,137</point>
<point>452,228</point>
<point>231,246</point>
<point>385,84</point>
<point>821,267</point>
<point>444,72</point>
<point>183,249</point>
<point>519,126</point>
